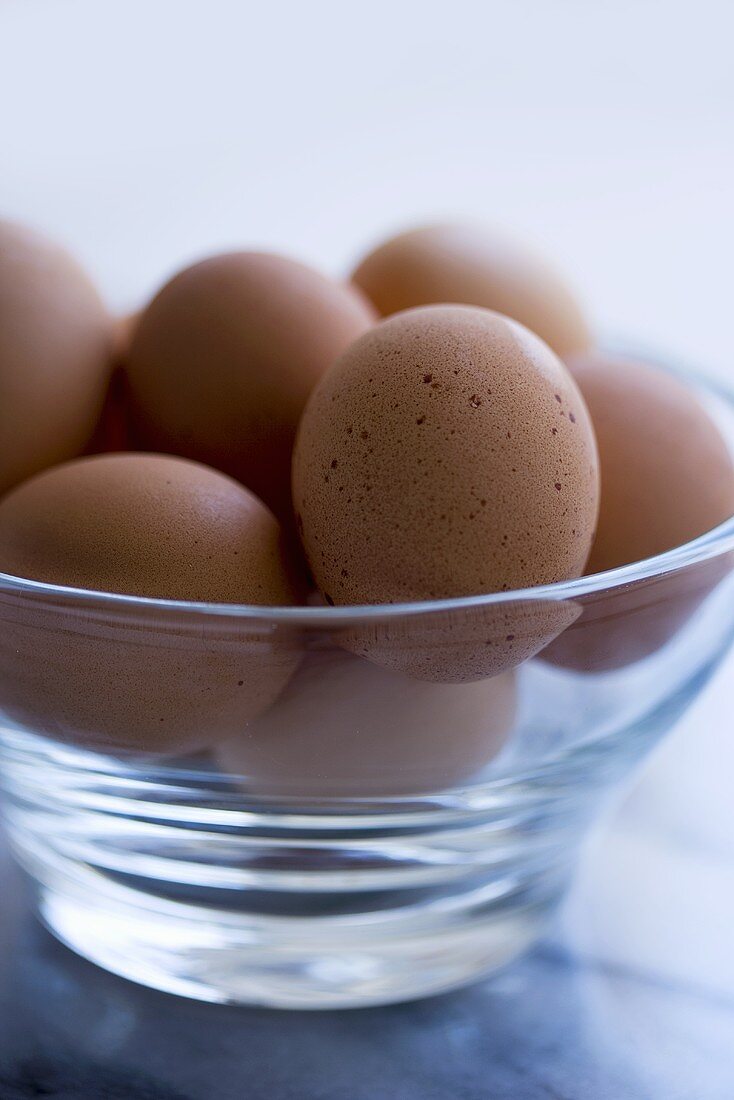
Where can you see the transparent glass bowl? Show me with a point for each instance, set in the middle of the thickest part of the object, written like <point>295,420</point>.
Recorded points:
<point>345,806</point>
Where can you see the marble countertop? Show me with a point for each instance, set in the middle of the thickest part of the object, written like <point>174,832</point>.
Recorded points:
<point>631,997</point>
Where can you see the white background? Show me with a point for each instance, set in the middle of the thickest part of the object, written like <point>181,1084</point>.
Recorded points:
<point>146,132</point>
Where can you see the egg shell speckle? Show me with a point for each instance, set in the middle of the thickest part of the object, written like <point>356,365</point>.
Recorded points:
<point>447,453</point>
<point>462,645</point>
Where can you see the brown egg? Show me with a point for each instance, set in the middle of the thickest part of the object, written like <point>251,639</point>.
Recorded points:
<point>447,453</point>
<point>667,474</point>
<point>467,264</point>
<point>667,477</point>
<point>55,342</point>
<point>224,358</point>
<point>343,727</point>
<point>142,525</point>
<point>618,626</point>
<point>461,645</point>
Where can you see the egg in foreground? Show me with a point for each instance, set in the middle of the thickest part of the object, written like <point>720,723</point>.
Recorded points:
<point>111,675</point>
<point>447,453</point>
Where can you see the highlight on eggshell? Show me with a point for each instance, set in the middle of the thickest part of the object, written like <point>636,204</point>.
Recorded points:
<point>471,265</point>
<point>55,355</point>
<point>152,526</point>
<point>224,358</point>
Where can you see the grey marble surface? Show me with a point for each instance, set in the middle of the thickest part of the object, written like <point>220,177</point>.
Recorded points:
<point>631,997</point>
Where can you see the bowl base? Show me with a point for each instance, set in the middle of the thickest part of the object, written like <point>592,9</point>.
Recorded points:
<point>175,880</point>
<point>231,964</point>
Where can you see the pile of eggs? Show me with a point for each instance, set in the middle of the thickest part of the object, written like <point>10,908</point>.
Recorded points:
<point>439,425</point>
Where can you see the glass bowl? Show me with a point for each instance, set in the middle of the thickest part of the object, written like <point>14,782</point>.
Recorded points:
<point>345,806</point>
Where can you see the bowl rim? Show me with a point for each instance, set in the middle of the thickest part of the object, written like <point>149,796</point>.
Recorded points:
<point>718,540</point>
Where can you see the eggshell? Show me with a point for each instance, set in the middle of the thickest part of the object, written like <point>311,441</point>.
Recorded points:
<point>470,265</point>
<point>465,644</point>
<point>225,356</point>
<point>667,473</point>
<point>619,626</point>
<point>667,477</point>
<point>142,525</point>
<point>447,453</point>
<point>55,344</point>
<point>345,728</point>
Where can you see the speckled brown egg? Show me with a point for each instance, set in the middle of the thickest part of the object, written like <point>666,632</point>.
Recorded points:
<point>343,727</point>
<point>152,526</point>
<point>667,477</point>
<point>225,356</point>
<point>461,645</point>
<point>55,355</point>
<point>470,265</point>
<point>447,453</point>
